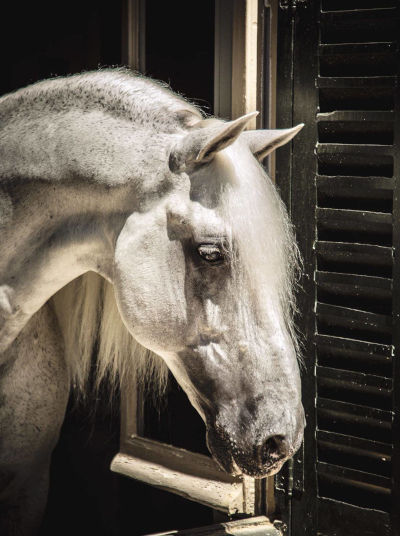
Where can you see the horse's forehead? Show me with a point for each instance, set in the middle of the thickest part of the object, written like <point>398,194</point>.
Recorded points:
<point>207,221</point>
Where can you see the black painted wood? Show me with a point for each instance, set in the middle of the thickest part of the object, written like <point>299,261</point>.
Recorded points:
<point>297,68</point>
<point>395,510</point>
<point>364,454</point>
<point>375,82</point>
<point>344,200</point>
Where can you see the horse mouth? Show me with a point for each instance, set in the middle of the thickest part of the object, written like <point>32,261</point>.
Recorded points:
<point>238,464</point>
<point>228,464</point>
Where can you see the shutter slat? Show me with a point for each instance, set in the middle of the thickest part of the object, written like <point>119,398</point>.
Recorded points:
<point>356,412</point>
<point>342,5</point>
<point>357,115</point>
<point>373,450</point>
<point>358,478</point>
<point>355,187</point>
<point>349,346</point>
<point>356,82</point>
<point>355,159</point>
<point>354,420</point>
<point>352,323</point>
<point>367,293</point>
<point>365,381</point>
<point>337,291</point>
<point>357,48</point>
<point>357,487</point>
<point>354,258</point>
<point>336,149</point>
<point>371,194</point>
<point>358,59</point>
<point>342,219</point>
<point>352,452</point>
<point>354,284</point>
<point>354,225</point>
<point>342,225</point>
<point>359,15</point>
<point>354,387</point>
<point>356,127</point>
<point>350,354</point>
<point>359,25</point>
<point>358,97</point>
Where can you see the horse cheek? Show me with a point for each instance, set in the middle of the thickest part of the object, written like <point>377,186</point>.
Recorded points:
<point>150,284</point>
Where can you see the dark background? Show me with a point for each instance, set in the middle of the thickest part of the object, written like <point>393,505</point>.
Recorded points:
<point>41,40</point>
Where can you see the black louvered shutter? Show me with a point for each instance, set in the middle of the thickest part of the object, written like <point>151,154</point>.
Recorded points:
<point>338,68</point>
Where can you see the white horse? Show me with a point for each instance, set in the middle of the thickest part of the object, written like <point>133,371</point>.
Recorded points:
<point>130,221</point>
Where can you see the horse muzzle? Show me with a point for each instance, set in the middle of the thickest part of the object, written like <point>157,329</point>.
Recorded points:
<point>251,457</point>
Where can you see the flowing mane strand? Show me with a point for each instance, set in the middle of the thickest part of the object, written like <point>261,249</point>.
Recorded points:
<point>89,321</point>
<point>264,250</point>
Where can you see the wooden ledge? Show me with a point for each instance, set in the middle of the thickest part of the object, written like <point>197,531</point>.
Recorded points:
<point>254,526</point>
<point>193,476</point>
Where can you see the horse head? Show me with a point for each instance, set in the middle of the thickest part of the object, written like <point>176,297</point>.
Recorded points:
<point>204,278</point>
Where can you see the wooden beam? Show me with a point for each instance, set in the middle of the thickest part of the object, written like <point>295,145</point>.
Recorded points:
<point>193,476</point>
<point>256,526</point>
<point>133,34</point>
<point>223,59</point>
<point>244,58</point>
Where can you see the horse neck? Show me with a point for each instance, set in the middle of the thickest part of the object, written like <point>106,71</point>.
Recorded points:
<point>53,233</point>
<point>68,181</point>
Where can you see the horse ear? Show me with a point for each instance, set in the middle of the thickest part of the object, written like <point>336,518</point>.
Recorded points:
<point>205,140</point>
<point>263,142</point>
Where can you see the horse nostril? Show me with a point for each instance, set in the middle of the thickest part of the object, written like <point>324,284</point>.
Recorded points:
<point>273,450</point>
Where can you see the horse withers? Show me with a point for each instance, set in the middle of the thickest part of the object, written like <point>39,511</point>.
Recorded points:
<point>130,221</point>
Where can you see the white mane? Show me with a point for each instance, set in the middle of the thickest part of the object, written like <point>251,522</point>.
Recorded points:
<point>90,321</point>
<point>261,228</point>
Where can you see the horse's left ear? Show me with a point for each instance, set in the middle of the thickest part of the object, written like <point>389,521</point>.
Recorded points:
<point>206,138</point>
<point>263,142</point>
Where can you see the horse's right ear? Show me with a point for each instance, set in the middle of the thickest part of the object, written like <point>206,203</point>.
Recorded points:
<point>206,138</point>
<point>263,142</point>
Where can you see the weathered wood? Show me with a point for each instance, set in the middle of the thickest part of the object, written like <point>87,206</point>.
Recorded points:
<point>133,34</point>
<point>223,59</point>
<point>256,526</point>
<point>193,476</point>
<point>244,58</point>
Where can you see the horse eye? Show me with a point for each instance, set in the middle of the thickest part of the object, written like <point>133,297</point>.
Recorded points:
<point>210,253</point>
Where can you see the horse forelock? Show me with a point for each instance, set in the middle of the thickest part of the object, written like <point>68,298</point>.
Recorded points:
<point>265,257</point>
